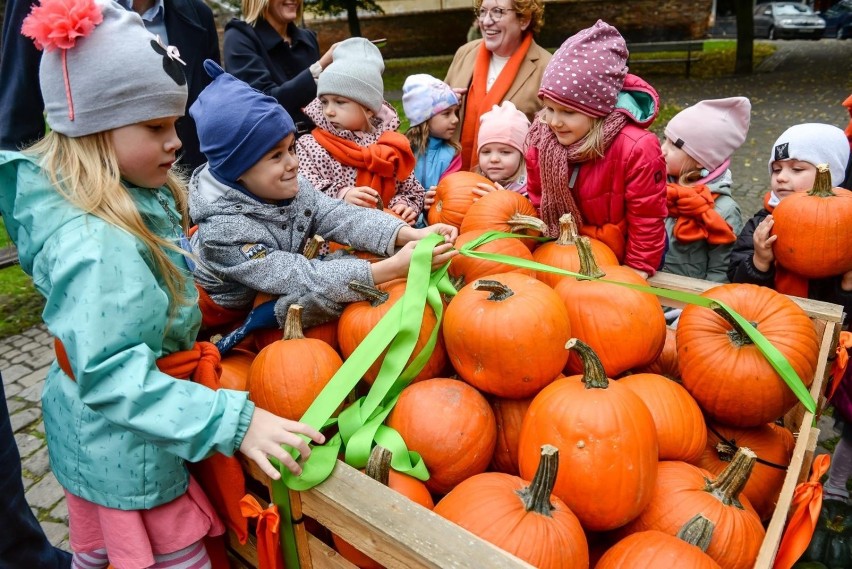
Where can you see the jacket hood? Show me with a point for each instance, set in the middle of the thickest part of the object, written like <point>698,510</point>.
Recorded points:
<point>386,120</point>
<point>721,184</point>
<point>638,100</point>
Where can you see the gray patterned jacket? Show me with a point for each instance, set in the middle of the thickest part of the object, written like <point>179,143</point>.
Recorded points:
<point>245,246</point>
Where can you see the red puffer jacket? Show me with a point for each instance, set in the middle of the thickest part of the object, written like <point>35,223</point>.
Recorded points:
<point>627,186</point>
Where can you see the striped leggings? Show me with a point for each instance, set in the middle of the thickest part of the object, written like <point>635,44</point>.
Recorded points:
<point>192,557</point>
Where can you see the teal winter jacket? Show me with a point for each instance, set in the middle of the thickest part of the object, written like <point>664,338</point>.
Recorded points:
<point>118,436</point>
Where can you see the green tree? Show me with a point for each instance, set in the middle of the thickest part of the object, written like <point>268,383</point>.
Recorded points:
<point>351,7</point>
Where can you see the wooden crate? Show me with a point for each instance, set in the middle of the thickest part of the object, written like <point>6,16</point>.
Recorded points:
<point>399,533</point>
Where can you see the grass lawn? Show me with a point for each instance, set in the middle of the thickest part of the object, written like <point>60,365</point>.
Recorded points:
<point>20,303</point>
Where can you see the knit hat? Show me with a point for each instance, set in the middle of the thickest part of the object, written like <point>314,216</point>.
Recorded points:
<point>355,73</point>
<point>236,124</point>
<point>815,143</point>
<point>710,131</point>
<point>587,71</point>
<point>423,97</point>
<point>101,69</point>
<point>504,123</point>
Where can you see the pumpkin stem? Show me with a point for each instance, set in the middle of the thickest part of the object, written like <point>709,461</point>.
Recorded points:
<point>380,205</point>
<point>293,323</point>
<point>568,233</point>
<point>725,451</point>
<point>498,290</point>
<point>594,375</point>
<point>737,335</point>
<point>822,183</point>
<point>374,295</point>
<point>698,532</point>
<point>536,496</point>
<point>588,264</point>
<point>519,222</point>
<point>378,465</point>
<point>732,480</point>
<point>312,247</point>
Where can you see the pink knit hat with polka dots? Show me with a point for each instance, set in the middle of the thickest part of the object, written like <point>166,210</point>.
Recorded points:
<point>587,71</point>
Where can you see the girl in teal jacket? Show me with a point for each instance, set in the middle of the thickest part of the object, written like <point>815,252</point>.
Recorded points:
<point>98,216</point>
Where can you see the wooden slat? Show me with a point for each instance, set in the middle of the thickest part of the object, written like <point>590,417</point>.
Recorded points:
<point>324,557</point>
<point>8,256</point>
<point>247,551</point>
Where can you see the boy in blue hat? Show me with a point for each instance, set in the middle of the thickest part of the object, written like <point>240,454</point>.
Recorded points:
<point>255,214</point>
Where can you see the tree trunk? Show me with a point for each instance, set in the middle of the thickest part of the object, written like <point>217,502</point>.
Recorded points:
<point>745,37</point>
<point>352,18</point>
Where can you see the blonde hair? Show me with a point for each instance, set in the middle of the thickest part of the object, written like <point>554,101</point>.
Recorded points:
<point>418,136</point>
<point>532,9</point>
<point>253,9</point>
<point>522,166</point>
<point>592,145</point>
<point>84,170</point>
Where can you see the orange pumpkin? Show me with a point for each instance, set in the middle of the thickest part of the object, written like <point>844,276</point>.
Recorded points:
<point>504,210</point>
<point>562,253</point>
<point>359,318</point>
<point>771,443</point>
<point>287,375</point>
<point>683,490</point>
<point>814,229</point>
<point>450,424</point>
<point>681,432</point>
<point>378,468</point>
<point>725,372</point>
<point>665,365</point>
<point>520,517</point>
<point>327,332</point>
<point>607,443</point>
<point>509,414</point>
<point>454,196</point>
<point>464,269</point>
<point>657,549</point>
<point>235,369</point>
<point>609,317</point>
<point>494,324</point>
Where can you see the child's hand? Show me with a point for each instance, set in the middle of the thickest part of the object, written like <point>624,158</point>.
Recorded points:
<point>450,232</point>
<point>267,432</point>
<point>442,253</point>
<point>846,282</point>
<point>429,197</point>
<point>764,256</point>
<point>408,234</point>
<point>364,196</point>
<point>405,212</point>
<point>482,189</point>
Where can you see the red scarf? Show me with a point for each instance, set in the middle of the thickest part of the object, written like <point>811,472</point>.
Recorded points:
<point>379,165</point>
<point>697,219</point>
<point>786,282</point>
<point>479,99</point>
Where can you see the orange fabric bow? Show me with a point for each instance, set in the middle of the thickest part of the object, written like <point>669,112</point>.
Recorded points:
<point>806,505</point>
<point>697,219</point>
<point>838,367</point>
<point>379,165</point>
<point>268,538</point>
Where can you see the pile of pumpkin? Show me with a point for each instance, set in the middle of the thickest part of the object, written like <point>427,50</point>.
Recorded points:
<point>559,418</point>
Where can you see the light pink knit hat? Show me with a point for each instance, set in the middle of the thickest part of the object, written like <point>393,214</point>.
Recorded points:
<point>587,71</point>
<point>505,124</point>
<point>711,130</point>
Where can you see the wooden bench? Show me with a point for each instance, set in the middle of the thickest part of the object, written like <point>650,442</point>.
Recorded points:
<point>8,256</point>
<point>670,52</point>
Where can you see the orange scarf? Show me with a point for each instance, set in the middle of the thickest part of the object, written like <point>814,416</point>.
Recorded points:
<point>479,99</point>
<point>786,282</point>
<point>220,476</point>
<point>697,219</point>
<point>379,165</point>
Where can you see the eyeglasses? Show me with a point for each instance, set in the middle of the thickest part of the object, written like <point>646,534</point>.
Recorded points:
<point>495,13</point>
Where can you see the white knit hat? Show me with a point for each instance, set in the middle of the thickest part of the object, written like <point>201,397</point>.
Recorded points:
<point>355,73</point>
<point>815,143</point>
<point>710,131</point>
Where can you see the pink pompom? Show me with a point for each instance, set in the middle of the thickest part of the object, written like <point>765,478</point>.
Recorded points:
<point>58,23</point>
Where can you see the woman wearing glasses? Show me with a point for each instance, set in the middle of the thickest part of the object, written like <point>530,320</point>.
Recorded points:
<point>505,65</point>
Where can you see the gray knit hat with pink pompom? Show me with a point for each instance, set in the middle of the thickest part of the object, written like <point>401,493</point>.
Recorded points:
<point>587,71</point>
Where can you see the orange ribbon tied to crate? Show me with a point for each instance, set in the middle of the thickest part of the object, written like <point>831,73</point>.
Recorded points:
<point>268,538</point>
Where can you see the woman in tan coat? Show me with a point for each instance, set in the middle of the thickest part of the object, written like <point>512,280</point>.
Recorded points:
<point>505,65</point>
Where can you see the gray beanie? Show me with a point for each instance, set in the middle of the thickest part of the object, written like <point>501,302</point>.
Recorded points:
<point>815,143</point>
<point>355,73</point>
<point>106,71</point>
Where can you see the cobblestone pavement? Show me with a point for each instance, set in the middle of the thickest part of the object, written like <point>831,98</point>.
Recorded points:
<point>803,81</point>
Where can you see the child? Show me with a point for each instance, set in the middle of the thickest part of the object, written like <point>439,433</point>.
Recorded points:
<point>432,108</point>
<point>589,152</point>
<point>704,219</point>
<point>500,147</point>
<point>255,214</point>
<point>355,154</point>
<point>120,300</point>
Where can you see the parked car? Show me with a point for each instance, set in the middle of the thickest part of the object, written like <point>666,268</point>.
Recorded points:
<point>838,20</point>
<point>775,20</point>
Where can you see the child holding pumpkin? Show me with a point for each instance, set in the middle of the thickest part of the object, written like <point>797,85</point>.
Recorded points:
<point>255,214</point>
<point>704,219</point>
<point>355,153</point>
<point>120,423</point>
<point>590,153</point>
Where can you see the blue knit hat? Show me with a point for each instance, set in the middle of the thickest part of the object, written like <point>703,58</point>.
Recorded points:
<point>236,124</point>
